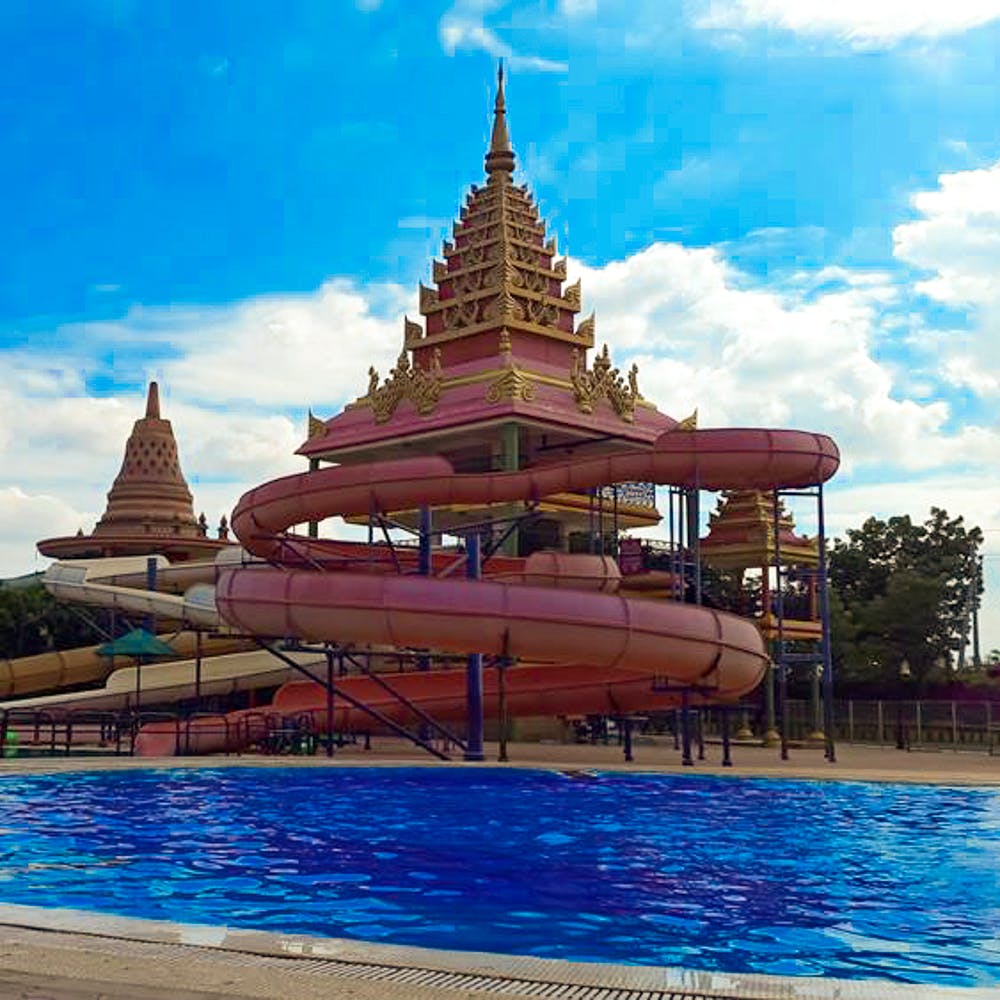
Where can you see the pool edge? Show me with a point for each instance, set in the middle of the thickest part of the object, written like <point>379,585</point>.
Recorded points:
<point>516,971</point>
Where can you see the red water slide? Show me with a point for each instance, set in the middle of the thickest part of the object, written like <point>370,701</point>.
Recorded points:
<point>583,652</point>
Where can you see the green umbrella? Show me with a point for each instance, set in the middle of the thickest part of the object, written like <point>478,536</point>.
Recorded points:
<point>138,642</point>
<point>141,645</point>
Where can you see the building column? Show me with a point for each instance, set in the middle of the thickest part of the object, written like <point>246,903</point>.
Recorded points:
<point>313,528</point>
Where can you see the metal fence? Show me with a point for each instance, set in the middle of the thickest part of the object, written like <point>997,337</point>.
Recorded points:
<point>957,725</point>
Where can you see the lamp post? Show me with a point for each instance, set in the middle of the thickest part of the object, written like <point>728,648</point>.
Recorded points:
<point>904,676</point>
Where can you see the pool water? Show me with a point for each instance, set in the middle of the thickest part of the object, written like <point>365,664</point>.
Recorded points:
<point>852,880</point>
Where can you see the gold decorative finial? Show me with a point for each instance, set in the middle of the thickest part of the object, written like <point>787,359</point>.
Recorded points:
<point>688,423</point>
<point>590,385</point>
<point>500,158</point>
<point>317,428</point>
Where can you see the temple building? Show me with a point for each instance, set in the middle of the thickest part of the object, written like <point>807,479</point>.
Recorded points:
<point>150,508</point>
<point>750,534</point>
<point>497,376</point>
<point>741,539</point>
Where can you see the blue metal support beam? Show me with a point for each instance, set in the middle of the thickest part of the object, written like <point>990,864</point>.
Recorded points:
<point>824,611</point>
<point>474,666</point>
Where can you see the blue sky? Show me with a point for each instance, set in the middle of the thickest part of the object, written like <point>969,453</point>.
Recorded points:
<point>786,211</point>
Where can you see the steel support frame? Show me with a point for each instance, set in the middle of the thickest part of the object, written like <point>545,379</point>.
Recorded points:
<point>778,651</point>
<point>825,655</point>
<point>474,667</point>
<point>335,689</point>
<point>424,717</point>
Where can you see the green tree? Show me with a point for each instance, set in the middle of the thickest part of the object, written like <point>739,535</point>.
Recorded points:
<point>903,592</point>
<point>33,621</point>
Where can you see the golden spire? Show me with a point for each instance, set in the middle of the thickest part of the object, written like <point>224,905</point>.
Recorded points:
<point>500,157</point>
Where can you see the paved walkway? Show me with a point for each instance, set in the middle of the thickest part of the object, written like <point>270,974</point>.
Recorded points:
<point>43,963</point>
<point>854,763</point>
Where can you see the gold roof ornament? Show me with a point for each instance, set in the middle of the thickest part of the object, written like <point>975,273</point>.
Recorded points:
<point>500,294</point>
<point>689,423</point>
<point>604,382</point>
<point>500,158</point>
<point>317,427</point>
<point>412,332</point>
<point>428,298</point>
<point>422,387</point>
<point>512,384</point>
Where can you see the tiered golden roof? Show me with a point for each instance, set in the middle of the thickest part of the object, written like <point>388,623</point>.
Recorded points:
<point>741,534</point>
<point>500,273</point>
<point>498,294</point>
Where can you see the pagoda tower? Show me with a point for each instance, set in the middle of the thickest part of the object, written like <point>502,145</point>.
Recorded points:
<point>496,377</point>
<point>149,507</point>
<point>742,538</point>
<point>150,495</point>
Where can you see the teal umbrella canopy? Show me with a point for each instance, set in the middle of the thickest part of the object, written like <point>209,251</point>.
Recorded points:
<point>138,642</point>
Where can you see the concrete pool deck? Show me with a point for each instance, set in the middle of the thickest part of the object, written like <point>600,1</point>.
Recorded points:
<point>68,955</point>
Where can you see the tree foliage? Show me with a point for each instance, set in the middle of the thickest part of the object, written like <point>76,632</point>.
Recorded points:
<point>902,592</point>
<point>32,621</point>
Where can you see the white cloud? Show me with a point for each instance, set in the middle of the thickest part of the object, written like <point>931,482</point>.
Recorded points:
<point>235,383</point>
<point>958,237</point>
<point>25,518</point>
<point>697,177</point>
<point>463,27</point>
<point>807,351</point>
<point>956,241</point>
<point>288,350</point>
<point>704,336</point>
<point>859,23</point>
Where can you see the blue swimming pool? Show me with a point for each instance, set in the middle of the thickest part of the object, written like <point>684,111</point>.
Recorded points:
<point>788,877</point>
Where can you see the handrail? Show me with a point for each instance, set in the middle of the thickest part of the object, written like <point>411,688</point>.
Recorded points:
<point>409,703</point>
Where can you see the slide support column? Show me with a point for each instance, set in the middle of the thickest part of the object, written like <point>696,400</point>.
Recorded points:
<point>329,702</point>
<point>686,729</point>
<point>824,610</point>
<point>779,642</point>
<point>424,567</point>
<point>727,760</point>
<point>474,666</point>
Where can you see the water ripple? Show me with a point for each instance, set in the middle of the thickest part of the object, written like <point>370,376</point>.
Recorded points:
<point>897,882</point>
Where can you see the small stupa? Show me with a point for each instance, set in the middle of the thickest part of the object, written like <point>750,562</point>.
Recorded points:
<point>150,508</point>
<point>150,495</point>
